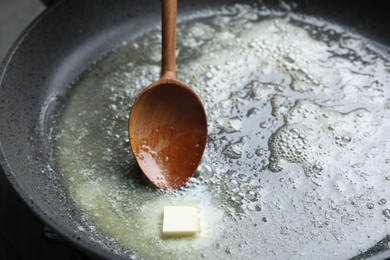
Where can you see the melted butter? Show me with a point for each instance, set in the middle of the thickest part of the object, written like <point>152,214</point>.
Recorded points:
<point>302,97</point>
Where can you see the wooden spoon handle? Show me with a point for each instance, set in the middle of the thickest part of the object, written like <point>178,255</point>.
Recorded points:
<point>168,62</point>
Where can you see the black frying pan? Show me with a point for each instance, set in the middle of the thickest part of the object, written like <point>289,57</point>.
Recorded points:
<point>63,42</point>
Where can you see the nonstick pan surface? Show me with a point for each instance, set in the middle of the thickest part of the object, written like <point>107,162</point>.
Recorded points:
<point>65,41</point>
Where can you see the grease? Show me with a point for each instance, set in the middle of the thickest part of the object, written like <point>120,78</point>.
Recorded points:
<point>279,97</point>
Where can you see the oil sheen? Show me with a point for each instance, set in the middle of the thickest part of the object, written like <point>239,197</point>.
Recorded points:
<point>298,154</point>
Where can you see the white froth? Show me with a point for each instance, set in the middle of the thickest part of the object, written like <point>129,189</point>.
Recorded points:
<point>314,112</point>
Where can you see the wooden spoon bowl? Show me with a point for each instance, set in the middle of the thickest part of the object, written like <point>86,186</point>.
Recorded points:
<point>168,125</point>
<point>168,134</point>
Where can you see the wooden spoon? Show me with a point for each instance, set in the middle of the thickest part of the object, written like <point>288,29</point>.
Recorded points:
<point>168,125</point>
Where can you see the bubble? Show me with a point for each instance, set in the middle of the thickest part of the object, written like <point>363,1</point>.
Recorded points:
<point>206,171</point>
<point>209,76</point>
<point>317,168</point>
<point>260,152</point>
<point>370,205</point>
<point>382,201</point>
<point>386,212</point>
<point>231,184</point>
<point>113,107</point>
<point>346,139</point>
<point>307,134</point>
<point>274,167</point>
<point>238,197</point>
<point>252,195</point>
<point>263,125</point>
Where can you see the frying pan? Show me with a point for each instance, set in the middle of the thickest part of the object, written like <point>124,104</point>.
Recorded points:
<point>63,42</point>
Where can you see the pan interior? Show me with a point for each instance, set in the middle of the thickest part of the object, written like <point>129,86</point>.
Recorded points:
<point>299,119</point>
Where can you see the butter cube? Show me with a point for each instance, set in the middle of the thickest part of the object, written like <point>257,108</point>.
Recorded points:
<point>181,221</point>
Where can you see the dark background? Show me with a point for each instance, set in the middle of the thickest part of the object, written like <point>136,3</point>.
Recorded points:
<point>21,232</point>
